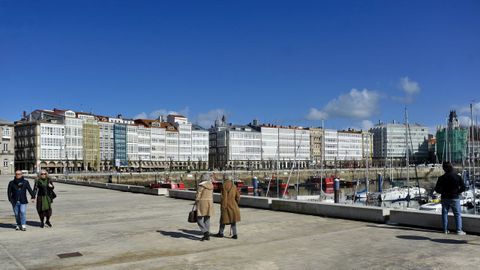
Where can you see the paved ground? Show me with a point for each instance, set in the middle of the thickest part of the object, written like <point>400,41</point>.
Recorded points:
<point>116,230</point>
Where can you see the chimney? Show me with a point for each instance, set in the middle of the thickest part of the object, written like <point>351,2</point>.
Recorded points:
<point>24,114</point>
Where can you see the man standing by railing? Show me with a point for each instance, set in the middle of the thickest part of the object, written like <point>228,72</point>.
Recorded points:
<point>450,186</point>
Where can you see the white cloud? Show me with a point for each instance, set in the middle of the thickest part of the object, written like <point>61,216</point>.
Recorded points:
<point>464,120</point>
<point>157,113</point>
<point>353,105</point>
<point>315,114</point>
<point>464,113</point>
<point>367,124</point>
<point>466,108</point>
<point>142,115</point>
<point>207,119</point>
<point>410,87</point>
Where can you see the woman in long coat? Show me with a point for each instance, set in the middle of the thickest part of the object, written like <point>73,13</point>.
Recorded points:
<point>43,185</point>
<point>230,212</point>
<point>204,203</point>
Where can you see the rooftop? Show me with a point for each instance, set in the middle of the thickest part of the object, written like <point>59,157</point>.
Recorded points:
<point>117,230</point>
<point>5,122</point>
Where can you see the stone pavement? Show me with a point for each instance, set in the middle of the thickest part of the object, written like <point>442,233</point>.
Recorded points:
<point>117,230</point>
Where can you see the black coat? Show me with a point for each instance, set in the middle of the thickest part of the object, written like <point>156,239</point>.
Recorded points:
<point>17,191</point>
<point>450,185</point>
<point>38,190</point>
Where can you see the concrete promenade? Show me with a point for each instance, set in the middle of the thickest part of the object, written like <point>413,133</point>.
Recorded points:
<point>119,230</point>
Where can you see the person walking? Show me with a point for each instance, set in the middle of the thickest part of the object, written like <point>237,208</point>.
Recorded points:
<point>450,185</point>
<point>17,196</point>
<point>229,210</point>
<point>255,186</point>
<point>42,189</point>
<point>204,204</point>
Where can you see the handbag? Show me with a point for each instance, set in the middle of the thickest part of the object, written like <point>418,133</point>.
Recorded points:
<point>51,194</point>
<point>192,216</point>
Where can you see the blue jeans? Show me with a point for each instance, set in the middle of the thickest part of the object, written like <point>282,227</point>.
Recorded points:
<point>20,211</point>
<point>457,212</point>
<point>204,223</point>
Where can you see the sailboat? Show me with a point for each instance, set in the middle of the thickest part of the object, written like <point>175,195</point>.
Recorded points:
<point>407,192</point>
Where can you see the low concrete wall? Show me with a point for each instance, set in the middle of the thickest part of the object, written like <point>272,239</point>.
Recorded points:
<point>363,213</point>
<point>189,195</point>
<point>256,202</point>
<point>118,187</point>
<point>246,201</point>
<point>417,218</point>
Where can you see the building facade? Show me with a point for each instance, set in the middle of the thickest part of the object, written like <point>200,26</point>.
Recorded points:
<point>235,146</point>
<point>107,144</point>
<point>40,141</point>
<point>316,146</point>
<point>120,146</point>
<point>27,140</point>
<point>7,153</point>
<point>60,140</point>
<point>347,147</point>
<point>200,147</point>
<point>73,137</point>
<point>473,147</point>
<point>91,144</point>
<point>452,141</point>
<point>258,146</point>
<point>331,146</point>
<point>390,141</point>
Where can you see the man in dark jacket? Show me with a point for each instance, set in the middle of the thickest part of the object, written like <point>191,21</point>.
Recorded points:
<point>450,186</point>
<point>17,195</point>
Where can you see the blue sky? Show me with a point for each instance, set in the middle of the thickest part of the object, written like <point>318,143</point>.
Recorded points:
<point>287,62</point>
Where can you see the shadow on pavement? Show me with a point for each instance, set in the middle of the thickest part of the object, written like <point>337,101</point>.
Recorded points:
<point>449,241</point>
<point>441,241</point>
<point>178,235</point>
<point>7,225</point>
<point>412,237</point>
<point>393,227</point>
<point>34,223</point>
<point>192,232</point>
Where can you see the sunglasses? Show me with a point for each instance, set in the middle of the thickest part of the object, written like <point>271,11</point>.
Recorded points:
<point>43,174</point>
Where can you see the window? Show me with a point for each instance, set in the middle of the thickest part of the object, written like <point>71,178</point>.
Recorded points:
<point>6,132</point>
<point>5,163</point>
<point>5,147</point>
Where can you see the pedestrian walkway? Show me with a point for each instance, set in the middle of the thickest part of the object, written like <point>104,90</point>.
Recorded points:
<point>104,229</point>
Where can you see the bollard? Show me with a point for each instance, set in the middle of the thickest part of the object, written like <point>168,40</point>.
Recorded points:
<point>380,183</point>
<point>336,190</point>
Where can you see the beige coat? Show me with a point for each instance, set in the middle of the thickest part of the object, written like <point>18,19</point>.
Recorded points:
<point>204,199</point>
<point>230,213</point>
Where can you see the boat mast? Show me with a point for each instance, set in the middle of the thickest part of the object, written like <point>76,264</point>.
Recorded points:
<point>383,153</point>
<point>407,152</point>
<point>295,166</point>
<point>296,163</point>
<point>446,142</point>
<point>278,161</point>
<point>322,159</point>
<point>475,157</point>
<point>366,179</point>
<point>471,144</point>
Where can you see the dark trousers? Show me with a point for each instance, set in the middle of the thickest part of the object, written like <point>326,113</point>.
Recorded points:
<point>233,226</point>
